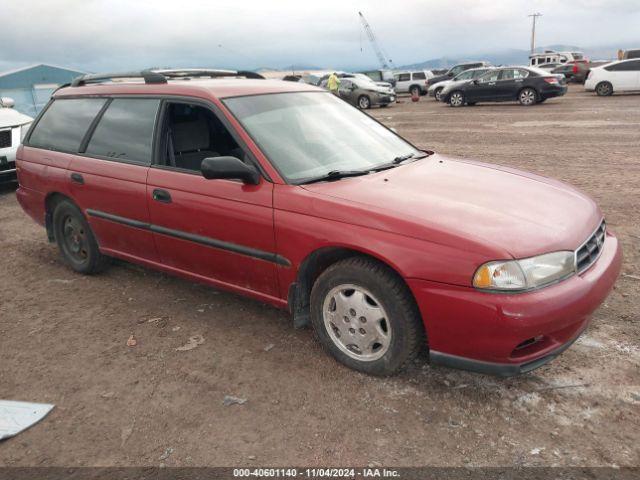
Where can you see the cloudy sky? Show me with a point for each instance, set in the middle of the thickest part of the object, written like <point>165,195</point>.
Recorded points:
<point>94,35</point>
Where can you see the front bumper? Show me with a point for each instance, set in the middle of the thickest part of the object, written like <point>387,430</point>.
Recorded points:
<point>382,99</point>
<point>506,334</point>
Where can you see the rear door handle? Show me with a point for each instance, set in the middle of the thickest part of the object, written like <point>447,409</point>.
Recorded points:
<point>77,178</point>
<point>162,196</point>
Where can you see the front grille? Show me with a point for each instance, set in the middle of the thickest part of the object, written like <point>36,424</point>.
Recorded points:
<point>590,250</point>
<point>5,138</point>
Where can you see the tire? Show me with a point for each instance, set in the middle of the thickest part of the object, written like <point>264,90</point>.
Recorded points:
<point>528,97</point>
<point>377,310</point>
<point>364,102</point>
<point>415,91</point>
<point>456,99</point>
<point>75,240</point>
<point>438,93</point>
<point>604,89</point>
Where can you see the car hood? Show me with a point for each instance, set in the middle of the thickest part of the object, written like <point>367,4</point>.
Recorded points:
<point>454,83</point>
<point>496,211</point>
<point>12,118</point>
<point>442,83</point>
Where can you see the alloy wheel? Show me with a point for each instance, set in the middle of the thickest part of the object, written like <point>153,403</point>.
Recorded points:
<point>527,97</point>
<point>457,99</point>
<point>364,103</point>
<point>356,322</point>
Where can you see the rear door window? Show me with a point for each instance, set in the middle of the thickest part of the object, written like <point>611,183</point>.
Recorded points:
<point>65,123</point>
<point>403,77</point>
<point>125,131</point>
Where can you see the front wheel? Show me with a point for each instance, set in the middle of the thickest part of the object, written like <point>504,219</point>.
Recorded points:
<point>438,94</point>
<point>456,99</point>
<point>365,316</point>
<point>76,240</point>
<point>364,102</point>
<point>528,97</point>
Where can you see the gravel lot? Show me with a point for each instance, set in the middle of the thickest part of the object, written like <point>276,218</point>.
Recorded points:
<point>63,340</point>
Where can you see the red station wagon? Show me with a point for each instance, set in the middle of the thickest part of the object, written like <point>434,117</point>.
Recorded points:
<point>282,192</point>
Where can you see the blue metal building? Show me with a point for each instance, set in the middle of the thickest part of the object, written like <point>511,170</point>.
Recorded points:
<point>32,86</point>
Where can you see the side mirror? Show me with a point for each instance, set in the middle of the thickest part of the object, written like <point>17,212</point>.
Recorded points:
<point>229,168</point>
<point>475,81</point>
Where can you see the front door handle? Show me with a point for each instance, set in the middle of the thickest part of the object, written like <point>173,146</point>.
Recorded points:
<point>492,83</point>
<point>77,178</point>
<point>162,196</point>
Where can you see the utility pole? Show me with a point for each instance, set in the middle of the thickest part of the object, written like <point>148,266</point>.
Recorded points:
<point>534,17</point>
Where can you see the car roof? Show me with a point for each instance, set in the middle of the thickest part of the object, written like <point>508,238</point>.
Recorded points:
<point>206,88</point>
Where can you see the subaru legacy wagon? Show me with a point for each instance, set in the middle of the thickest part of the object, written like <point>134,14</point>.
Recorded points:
<point>283,192</point>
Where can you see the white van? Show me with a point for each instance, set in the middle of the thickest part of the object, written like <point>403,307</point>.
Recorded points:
<point>13,128</point>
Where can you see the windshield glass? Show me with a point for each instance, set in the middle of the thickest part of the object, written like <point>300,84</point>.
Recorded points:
<point>309,134</point>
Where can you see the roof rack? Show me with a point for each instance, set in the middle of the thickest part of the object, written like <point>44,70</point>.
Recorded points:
<point>206,72</point>
<point>149,76</point>
<point>161,76</point>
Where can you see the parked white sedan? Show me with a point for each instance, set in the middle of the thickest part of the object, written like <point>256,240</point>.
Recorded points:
<point>620,76</point>
<point>13,127</point>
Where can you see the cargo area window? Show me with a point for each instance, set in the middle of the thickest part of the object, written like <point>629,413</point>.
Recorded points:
<point>192,133</point>
<point>65,123</point>
<point>125,131</point>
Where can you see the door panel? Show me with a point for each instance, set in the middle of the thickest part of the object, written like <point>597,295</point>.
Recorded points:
<point>107,188</point>
<point>219,229</point>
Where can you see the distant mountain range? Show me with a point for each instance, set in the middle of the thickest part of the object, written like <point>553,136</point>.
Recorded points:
<point>515,56</point>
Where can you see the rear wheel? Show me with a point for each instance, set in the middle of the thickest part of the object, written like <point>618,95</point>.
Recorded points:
<point>527,97</point>
<point>76,240</point>
<point>365,316</point>
<point>415,91</point>
<point>456,99</point>
<point>364,102</point>
<point>604,89</point>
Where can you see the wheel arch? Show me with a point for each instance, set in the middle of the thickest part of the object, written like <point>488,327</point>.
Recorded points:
<point>50,201</point>
<point>311,268</point>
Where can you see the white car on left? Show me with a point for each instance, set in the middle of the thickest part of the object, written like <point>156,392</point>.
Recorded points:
<point>13,128</point>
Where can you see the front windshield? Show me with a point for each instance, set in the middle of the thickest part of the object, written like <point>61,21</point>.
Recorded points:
<point>309,134</point>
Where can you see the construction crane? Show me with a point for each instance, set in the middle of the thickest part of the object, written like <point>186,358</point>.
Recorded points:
<point>384,63</point>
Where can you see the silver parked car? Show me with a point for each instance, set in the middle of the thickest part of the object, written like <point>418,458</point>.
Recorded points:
<point>364,93</point>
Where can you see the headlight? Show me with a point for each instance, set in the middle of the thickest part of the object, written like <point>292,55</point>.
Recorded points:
<point>525,274</point>
<point>23,131</point>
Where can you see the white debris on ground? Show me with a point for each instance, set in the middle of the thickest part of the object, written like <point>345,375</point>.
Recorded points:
<point>18,416</point>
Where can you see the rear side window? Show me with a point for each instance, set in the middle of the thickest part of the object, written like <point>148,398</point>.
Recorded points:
<point>125,131</point>
<point>419,76</point>
<point>65,123</point>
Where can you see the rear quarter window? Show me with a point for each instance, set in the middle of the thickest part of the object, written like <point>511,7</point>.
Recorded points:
<point>65,123</point>
<point>125,131</point>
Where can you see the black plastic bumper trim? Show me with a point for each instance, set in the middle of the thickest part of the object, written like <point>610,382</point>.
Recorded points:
<point>497,369</point>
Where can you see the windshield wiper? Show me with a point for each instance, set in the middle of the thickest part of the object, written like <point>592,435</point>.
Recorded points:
<point>398,160</point>
<point>335,175</point>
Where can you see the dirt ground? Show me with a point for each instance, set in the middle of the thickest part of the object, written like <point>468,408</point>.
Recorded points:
<point>63,340</point>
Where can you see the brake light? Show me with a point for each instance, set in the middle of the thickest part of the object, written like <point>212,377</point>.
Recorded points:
<point>551,80</point>
<point>575,68</point>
